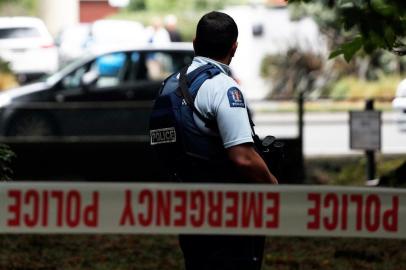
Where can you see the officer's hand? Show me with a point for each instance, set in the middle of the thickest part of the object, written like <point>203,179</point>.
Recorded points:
<point>273,179</point>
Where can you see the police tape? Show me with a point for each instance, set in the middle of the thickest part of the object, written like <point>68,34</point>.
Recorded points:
<point>172,208</point>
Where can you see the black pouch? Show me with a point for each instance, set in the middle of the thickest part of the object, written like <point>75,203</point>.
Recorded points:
<point>272,151</point>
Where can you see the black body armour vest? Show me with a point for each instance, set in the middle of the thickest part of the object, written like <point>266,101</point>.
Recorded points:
<point>186,153</point>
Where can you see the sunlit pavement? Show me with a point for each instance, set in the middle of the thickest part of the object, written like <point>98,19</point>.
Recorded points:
<point>327,133</point>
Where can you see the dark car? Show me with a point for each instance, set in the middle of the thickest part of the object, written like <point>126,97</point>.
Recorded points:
<point>108,94</point>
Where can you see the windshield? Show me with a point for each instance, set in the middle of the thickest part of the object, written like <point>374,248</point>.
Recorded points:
<point>63,71</point>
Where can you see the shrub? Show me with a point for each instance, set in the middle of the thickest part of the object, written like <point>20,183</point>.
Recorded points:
<point>350,171</point>
<point>354,88</point>
<point>6,158</point>
<point>7,78</point>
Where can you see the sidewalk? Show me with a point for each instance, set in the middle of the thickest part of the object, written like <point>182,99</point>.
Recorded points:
<point>289,118</point>
<point>322,105</point>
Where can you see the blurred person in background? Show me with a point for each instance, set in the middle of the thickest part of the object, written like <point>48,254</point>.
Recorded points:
<point>156,33</point>
<point>171,25</point>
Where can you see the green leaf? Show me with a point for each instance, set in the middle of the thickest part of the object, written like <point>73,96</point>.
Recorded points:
<point>350,48</point>
<point>335,53</point>
<point>369,47</point>
<point>377,38</point>
<point>390,36</point>
<point>382,7</point>
<point>347,4</point>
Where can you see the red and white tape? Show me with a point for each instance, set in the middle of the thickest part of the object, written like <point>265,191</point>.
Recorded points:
<point>171,208</point>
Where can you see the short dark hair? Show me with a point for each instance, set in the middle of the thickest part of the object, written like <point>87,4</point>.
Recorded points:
<point>216,32</point>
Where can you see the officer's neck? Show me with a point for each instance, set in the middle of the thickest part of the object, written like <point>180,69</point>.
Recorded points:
<point>225,60</point>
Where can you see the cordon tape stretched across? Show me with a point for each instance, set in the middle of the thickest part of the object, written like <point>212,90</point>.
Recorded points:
<point>173,208</point>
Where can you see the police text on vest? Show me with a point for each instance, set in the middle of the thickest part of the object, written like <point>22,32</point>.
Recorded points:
<point>163,135</point>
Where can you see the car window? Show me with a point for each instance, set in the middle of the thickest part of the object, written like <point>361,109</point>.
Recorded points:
<point>134,70</point>
<point>109,70</point>
<point>19,32</point>
<point>162,64</point>
<point>115,68</point>
<point>74,79</point>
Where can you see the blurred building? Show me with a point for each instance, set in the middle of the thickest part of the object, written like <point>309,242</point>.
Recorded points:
<point>280,3</point>
<point>271,3</point>
<point>57,15</point>
<point>91,10</point>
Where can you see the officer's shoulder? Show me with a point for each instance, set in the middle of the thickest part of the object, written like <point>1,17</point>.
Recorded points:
<point>224,80</point>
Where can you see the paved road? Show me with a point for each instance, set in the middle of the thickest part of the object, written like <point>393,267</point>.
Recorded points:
<point>328,133</point>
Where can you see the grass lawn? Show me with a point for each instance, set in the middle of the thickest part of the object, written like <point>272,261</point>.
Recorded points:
<point>161,252</point>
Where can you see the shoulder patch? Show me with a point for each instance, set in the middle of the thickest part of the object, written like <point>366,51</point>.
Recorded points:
<point>235,97</point>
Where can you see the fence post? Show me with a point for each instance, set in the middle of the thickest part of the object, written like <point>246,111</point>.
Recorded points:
<point>300,118</point>
<point>370,154</point>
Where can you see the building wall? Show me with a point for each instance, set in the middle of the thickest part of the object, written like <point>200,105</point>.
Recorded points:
<point>58,14</point>
<point>91,10</point>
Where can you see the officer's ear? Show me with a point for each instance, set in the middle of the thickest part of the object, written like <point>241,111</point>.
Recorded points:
<point>233,49</point>
<point>194,43</point>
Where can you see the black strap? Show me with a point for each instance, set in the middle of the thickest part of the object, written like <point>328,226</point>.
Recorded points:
<point>255,137</point>
<point>251,122</point>
<point>184,88</point>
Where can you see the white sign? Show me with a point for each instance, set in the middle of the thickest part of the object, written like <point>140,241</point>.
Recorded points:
<point>365,130</point>
<point>162,208</point>
<point>119,3</point>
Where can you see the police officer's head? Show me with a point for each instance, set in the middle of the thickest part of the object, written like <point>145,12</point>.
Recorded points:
<point>216,36</point>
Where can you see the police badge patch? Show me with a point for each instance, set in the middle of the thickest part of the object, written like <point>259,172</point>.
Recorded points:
<point>235,97</point>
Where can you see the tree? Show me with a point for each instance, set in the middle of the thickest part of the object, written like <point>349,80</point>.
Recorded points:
<point>376,24</point>
<point>137,5</point>
<point>367,66</point>
<point>297,70</point>
<point>18,7</point>
<point>293,72</point>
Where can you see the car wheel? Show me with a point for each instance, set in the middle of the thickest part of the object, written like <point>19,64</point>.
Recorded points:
<point>31,125</point>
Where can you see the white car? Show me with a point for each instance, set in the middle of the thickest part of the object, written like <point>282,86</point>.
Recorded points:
<point>82,39</point>
<point>27,45</point>
<point>399,105</point>
<point>72,42</point>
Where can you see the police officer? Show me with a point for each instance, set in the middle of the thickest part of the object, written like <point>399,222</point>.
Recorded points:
<point>217,142</point>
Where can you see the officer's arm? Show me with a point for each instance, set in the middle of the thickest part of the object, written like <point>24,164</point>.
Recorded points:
<point>250,163</point>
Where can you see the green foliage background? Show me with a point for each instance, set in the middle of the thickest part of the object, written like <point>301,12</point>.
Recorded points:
<point>18,7</point>
<point>373,24</point>
<point>369,67</point>
<point>185,5</point>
